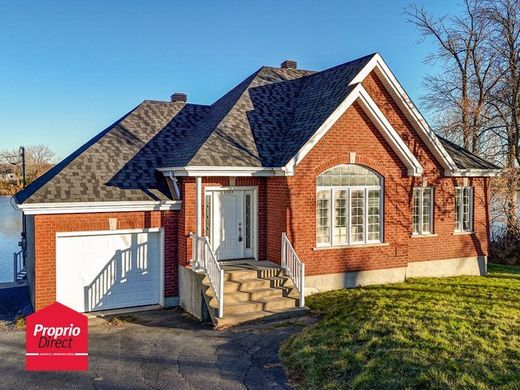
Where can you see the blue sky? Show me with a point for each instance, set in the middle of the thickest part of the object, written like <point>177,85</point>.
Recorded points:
<point>68,69</point>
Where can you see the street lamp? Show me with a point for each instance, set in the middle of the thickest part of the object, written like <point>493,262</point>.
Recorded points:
<point>22,158</point>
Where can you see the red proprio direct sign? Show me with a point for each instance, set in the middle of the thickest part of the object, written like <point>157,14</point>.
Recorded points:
<point>56,340</point>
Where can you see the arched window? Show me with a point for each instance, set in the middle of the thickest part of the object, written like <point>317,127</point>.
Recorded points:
<point>348,206</point>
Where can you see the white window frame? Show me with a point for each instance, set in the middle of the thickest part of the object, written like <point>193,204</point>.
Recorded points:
<point>420,232</point>
<point>332,207</point>
<point>459,223</point>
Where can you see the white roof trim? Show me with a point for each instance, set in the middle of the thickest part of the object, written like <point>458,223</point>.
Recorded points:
<point>409,109</point>
<point>318,135</point>
<point>372,110</point>
<point>98,207</point>
<point>390,134</point>
<point>474,172</point>
<point>405,104</point>
<point>197,171</point>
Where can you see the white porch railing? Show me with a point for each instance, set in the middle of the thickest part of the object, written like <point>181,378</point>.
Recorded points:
<point>294,268</point>
<point>18,265</point>
<point>203,259</point>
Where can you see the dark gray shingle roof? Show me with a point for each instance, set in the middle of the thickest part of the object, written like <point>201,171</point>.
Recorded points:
<point>98,171</point>
<point>277,111</point>
<point>262,122</point>
<point>463,158</point>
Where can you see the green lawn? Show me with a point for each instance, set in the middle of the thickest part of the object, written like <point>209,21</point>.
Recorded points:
<point>451,333</point>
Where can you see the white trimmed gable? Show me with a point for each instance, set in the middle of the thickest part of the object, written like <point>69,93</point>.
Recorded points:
<point>406,105</point>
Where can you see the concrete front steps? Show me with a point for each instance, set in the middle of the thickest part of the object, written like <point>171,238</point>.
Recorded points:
<point>253,290</point>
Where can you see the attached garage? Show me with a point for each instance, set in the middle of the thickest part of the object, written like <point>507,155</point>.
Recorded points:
<point>112,269</point>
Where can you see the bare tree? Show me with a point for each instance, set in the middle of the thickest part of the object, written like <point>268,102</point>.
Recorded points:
<point>38,159</point>
<point>476,96</point>
<point>458,96</point>
<point>8,156</point>
<point>11,159</point>
<point>504,41</point>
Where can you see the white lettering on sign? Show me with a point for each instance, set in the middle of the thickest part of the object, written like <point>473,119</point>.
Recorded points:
<point>56,331</point>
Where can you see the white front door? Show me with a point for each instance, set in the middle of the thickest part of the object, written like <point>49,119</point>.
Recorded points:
<point>231,223</point>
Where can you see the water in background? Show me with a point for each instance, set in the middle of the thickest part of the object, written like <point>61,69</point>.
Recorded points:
<point>10,231</point>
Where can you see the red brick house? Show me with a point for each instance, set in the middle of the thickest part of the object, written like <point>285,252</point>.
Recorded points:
<point>335,169</point>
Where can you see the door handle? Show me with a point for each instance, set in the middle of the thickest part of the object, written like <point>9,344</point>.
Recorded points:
<point>239,232</point>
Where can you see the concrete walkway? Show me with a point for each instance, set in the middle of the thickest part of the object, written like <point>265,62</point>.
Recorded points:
<point>162,350</point>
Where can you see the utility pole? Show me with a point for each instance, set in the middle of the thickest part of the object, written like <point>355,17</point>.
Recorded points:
<point>22,159</point>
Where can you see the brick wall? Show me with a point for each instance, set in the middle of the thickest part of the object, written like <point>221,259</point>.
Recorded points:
<point>188,219</point>
<point>288,204</point>
<point>292,201</point>
<point>46,227</point>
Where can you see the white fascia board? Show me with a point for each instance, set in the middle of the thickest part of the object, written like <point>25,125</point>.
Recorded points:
<point>98,207</point>
<point>409,109</point>
<point>318,135</point>
<point>390,134</point>
<point>473,172</point>
<point>198,171</point>
<point>405,104</point>
<point>377,117</point>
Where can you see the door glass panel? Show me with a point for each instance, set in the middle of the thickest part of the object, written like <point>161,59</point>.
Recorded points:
<point>248,221</point>
<point>208,210</point>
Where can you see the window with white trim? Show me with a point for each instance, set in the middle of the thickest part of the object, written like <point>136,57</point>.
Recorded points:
<point>422,212</point>
<point>463,209</point>
<point>348,206</point>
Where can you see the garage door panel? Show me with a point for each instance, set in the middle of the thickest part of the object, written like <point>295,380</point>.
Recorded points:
<point>107,271</point>
<point>123,299</point>
<point>144,296</point>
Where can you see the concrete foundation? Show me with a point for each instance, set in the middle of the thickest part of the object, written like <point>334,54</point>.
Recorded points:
<point>171,301</point>
<point>450,267</point>
<point>433,268</point>
<point>320,283</point>
<point>190,292</point>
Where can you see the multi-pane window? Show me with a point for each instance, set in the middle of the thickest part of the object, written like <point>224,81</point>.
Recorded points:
<point>357,220</point>
<point>463,209</point>
<point>374,210</point>
<point>422,212</point>
<point>322,217</point>
<point>348,206</point>
<point>340,215</point>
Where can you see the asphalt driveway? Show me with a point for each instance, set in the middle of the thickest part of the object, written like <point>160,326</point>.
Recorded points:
<point>161,350</point>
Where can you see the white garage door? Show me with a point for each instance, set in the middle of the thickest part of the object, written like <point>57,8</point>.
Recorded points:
<point>109,269</point>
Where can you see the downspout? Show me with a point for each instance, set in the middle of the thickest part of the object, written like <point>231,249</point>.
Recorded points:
<point>176,187</point>
<point>172,181</point>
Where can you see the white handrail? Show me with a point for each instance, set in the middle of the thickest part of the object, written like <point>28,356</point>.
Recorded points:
<point>294,267</point>
<point>207,262</point>
<point>17,264</point>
